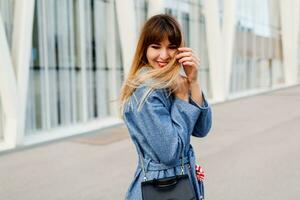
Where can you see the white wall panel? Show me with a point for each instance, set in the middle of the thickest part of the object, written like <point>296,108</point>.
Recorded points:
<point>21,53</point>
<point>126,13</point>
<point>8,91</point>
<point>290,27</point>
<point>215,54</point>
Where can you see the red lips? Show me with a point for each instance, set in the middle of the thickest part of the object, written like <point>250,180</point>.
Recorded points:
<point>161,64</point>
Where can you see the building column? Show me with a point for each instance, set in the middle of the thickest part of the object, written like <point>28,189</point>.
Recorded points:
<point>82,58</point>
<point>111,58</point>
<point>290,27</point>
<point>21,56</point>
<point>127,26</point>
<point>215,47</point>
<point>195,26</point>
<point>8,92</point>
<point>228,35</point>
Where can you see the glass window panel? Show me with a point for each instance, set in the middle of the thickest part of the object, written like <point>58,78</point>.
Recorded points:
<point>101,62</point>
<point>77,70</point>
<point>203,54</point>
<point>119,61</point>
<point>114,69</point>
<point>30,116</point>
<point>221,11</point>
<point>72,62</point>
<point>36,117</point>
<point>53,95</point>
<point>31,123</point>
<point>141,7</point>
<point>51,63</point>
<point>64,65</point>
<point>257,61</point>
<point>90,64</point>
<point>185,19</point>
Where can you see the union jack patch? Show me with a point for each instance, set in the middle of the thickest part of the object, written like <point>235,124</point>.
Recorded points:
<point>199,173</point>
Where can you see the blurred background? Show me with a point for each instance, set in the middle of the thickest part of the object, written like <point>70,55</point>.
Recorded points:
<point>62,62</point>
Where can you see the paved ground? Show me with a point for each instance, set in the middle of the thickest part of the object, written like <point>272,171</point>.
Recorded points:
<point>252,152</point>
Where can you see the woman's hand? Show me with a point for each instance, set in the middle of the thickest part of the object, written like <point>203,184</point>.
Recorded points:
<point>190,63</point>
<point>181,88</point>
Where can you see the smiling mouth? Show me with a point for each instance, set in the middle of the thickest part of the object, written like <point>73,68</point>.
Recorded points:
<point>161,64</point>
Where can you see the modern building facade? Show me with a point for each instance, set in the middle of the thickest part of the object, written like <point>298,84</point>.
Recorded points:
<point>62,62</point>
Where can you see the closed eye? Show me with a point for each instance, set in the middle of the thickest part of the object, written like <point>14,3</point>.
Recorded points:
<point>155,46</point>
<point>172,47</point>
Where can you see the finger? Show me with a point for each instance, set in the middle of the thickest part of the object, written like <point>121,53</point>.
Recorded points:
<point>185,49</point>
<point>191,59</point>
<point>184,54</point>
<point>188,63</point>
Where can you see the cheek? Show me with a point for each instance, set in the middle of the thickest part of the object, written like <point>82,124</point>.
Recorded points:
<point>151,54</point>
<point>172,53</point>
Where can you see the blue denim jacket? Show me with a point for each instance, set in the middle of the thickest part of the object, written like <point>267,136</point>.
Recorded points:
<point>161,130</point>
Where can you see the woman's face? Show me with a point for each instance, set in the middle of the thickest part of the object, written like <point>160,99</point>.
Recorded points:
<point>159,55</point>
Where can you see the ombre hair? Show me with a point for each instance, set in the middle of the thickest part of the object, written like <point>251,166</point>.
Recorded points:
<point>155,30</point>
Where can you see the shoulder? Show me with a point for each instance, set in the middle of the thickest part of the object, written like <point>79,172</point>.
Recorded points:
<point>145,96</point>
<point>152,94</point>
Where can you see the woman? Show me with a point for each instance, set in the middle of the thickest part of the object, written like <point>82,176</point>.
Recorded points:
<point>162,107</point>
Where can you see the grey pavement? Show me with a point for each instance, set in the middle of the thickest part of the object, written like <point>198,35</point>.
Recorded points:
<point>252,152</point>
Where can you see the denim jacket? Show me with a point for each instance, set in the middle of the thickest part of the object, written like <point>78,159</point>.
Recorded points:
<point>161,132</point>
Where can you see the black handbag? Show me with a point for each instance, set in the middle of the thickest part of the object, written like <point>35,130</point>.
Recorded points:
<point>176,187</point>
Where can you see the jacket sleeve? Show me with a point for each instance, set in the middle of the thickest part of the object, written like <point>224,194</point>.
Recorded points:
<point>165,130</point>
<point>204,121</point>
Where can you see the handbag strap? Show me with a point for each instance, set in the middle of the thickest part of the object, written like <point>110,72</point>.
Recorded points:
<point>144,169</point>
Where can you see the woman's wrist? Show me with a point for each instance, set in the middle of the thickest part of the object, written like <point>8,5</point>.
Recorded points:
<point>194,84</point>
<point>196,92</point>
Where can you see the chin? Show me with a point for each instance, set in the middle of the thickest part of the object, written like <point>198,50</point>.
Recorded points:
<point>159,66</point>
<point>155,65</point>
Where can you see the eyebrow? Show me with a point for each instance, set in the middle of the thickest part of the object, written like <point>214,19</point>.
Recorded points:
<point>160,44</point>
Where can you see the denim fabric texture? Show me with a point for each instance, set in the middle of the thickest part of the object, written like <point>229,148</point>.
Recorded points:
<point>161,131</point>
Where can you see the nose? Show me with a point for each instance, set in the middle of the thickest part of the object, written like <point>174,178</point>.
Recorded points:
<point>164,54</point>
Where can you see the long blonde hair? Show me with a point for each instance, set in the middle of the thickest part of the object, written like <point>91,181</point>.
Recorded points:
<point>155,30</point>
